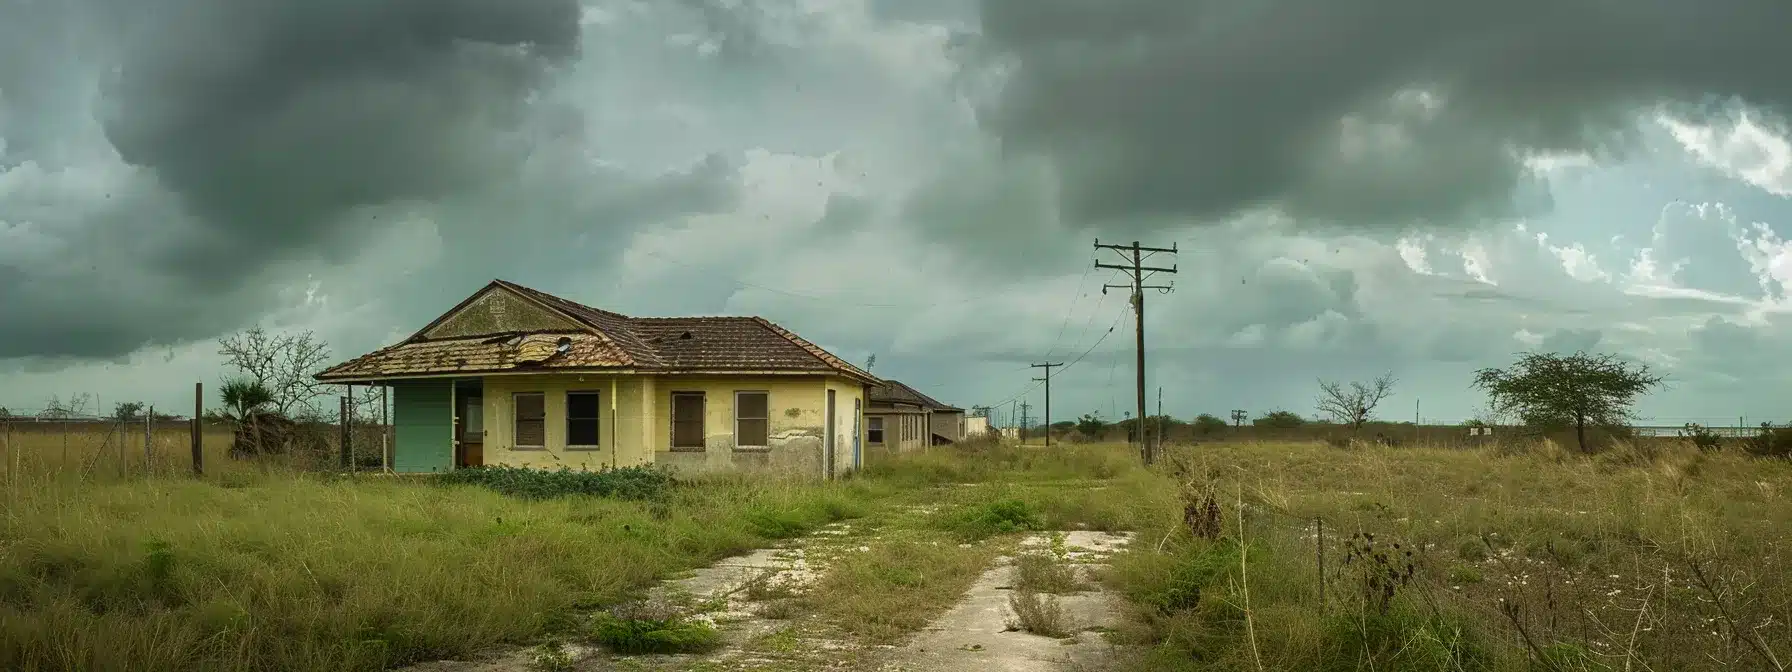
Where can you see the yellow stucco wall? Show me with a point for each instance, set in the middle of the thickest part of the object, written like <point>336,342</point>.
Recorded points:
<point>638,430</point>
<point>618,429</point>
<point>849,406</point>
<point>796,431</point>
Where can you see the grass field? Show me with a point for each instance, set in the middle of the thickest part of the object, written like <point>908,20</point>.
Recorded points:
<point>1518,556</point>
<point>1662,558</point>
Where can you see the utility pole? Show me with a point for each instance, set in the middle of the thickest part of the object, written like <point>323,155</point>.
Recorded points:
<point>1139,273</point>
<point>1238,416</point>
<point>1161,420</point>
<point>1022,432</point>
<point>1048,398</point>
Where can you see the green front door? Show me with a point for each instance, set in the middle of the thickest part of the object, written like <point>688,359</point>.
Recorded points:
<point>423,426</point>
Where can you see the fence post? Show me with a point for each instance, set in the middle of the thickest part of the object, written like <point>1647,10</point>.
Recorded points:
<point>149,442</point>
<point>1319,551</point>
<point>344,430</point>
<point>196,428</point>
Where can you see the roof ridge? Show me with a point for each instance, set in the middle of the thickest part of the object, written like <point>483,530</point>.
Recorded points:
<point>555,297</point>
<point>826,357</point>
<point>625,339</point>
<point>668,318</point>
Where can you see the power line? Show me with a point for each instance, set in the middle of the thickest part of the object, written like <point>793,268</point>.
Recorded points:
<point>1073,303</point>
<point>1139,273</point>
<point>1072,363</point>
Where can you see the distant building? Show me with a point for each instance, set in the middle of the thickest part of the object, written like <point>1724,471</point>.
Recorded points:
<point>900,418</point>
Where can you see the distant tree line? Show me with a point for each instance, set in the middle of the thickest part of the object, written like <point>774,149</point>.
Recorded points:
<point>1542,392</point>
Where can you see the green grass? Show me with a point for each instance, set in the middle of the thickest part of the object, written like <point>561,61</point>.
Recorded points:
<point>271,569</point>
<point>305,573</point>
<point>897,586</point>
<point>667,634</point>
<point>254,569</point>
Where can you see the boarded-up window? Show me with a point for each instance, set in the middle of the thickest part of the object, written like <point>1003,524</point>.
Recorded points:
<point>531,419</point>
<point>583,414</point>
<point>874,430</point>
<point>752,425</point>
<point>687,420</point>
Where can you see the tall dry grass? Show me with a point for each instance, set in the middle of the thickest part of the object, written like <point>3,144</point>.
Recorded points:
<point>1525,556</point>
<point>32,452</point>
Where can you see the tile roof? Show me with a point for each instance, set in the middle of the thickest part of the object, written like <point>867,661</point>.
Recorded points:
<point>894,391</point>
<point>614,341</point>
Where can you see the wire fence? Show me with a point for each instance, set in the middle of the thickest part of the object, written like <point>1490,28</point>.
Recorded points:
<point>58,441</point>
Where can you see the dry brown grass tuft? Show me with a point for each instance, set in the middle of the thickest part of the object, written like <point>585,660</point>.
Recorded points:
<point>1037,613</point>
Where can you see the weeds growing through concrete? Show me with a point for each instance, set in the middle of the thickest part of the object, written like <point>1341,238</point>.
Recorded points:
<point>652,627</point>
<point>1037,613</point>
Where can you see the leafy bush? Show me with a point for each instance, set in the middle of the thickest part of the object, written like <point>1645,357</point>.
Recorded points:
<point>1702,437</point>
<point>638,483</point>
<point>1280,420</point>
<point>1771,441</point>
<point>1207,423</point>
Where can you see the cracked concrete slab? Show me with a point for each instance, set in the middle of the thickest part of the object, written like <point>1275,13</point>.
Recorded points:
<point>721,594</point>
<point>975,635</point>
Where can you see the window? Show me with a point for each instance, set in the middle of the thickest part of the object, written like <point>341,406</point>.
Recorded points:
<point>583,416</point>
<point>687,420</point>
<point>473,419</point>
<point>874,429</point>
<point>531,419</point>
<point>752,424</point>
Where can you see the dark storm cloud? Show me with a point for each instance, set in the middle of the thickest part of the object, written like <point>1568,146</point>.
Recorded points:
<point>273,117</point>
<point>267,138</point>
<point>1202,108</point>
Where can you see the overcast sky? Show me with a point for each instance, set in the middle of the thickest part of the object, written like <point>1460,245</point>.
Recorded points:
<point>1422,187</point>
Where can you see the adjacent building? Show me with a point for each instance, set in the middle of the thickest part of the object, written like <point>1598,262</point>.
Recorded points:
<point>900,418</point>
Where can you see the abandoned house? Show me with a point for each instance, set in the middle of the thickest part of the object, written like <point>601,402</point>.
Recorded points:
<point>515,376</point>
<point>899,418</point>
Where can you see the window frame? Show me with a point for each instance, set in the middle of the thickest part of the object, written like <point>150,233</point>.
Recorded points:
<point>599,419</point>
<point>874,430</point>
<point>702,421</point>
<point>516,418</point>
<point>767,420</point>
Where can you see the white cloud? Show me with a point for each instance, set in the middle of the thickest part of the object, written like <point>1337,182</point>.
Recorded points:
<point>1744,148</point>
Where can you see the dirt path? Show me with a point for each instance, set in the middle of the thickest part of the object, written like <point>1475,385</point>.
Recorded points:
<point>741,596</point>
<point>978,635</point>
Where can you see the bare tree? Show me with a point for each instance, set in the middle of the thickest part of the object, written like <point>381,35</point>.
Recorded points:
<point>1354,406</point>
<point>57,409</point>
<point>283,363</point>
<point>365,403</point>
